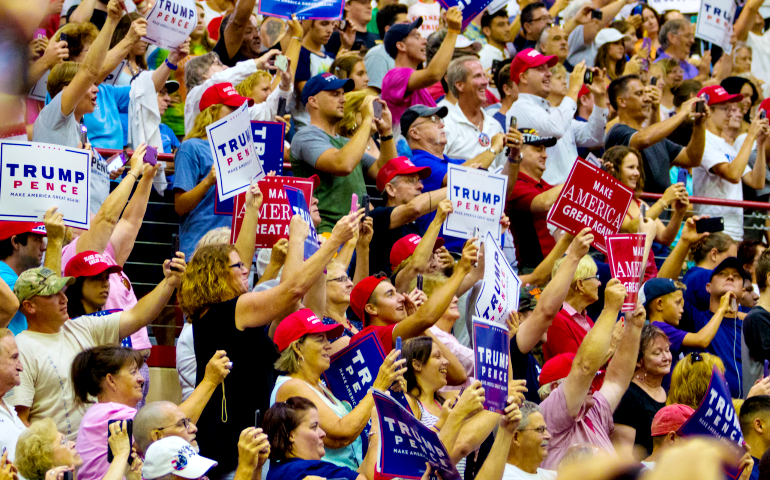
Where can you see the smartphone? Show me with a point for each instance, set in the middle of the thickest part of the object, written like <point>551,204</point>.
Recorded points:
<point>130,430</point>
<point>767,368</point>
<point>588,77</point>
<point>419,281</point>
<point>398,339</point>
<point>257,419</point>
<point>643,210</point>
<point>83,135</point>
<point>637,11</point>
<point>596,14</point>
<point>70,475</point>
<point>174,248</point>
<point>281,62</point>
<point>762,114</point>
<point>377,107</point>
<point>714,224</point>
<point>734,304</point>
<point>365,200</point>
<point>681,177</point>
<point>357,45</point>
<point>65,38</point>
<point>512,126</point>
<point>40,33</point>
<point>700,106</point>
<point>343,24</point>
<point>354,203</point>
<point>281,107</point>
<point>116,161</point>
<point>151,156</point>
<point>653,81</point>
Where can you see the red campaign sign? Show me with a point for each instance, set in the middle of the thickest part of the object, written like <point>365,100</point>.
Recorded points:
<point>275,214</point>
<point>591,198</point>
<point>626,254</point>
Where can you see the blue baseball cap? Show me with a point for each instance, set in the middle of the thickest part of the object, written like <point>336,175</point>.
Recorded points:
<point>324,82</point>
<point>396,33</point>
<point>654,288</point>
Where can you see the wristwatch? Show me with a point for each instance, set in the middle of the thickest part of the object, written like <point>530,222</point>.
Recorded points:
<point>493,151</point>
<point>517,159</point>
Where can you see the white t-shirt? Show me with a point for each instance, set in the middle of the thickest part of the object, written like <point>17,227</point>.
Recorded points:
<point>708,184</point>
<point>11,427</point>
<point>513,472</point>
<point>47,358</point>
<point>430,13</point>
<point>760,57</point>
<point>186,365</point>
<point>464,139</point>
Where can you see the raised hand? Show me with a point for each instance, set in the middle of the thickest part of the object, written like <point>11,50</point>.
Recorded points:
<point>218,368</point>
<point>391,371</point>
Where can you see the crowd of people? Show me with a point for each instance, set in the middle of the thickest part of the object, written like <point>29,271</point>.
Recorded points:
<point>386,99</point>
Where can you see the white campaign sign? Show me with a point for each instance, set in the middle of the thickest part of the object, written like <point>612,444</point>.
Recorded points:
<point>499,293</point>
<point>478,200</point>
<point>715,22</point>
<point>232,147</point>
<point>37,176</point>
<point>170,22</point>
<point>684,6</point>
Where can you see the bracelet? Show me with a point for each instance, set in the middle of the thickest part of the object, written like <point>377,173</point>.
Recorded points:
<point>453,31</point>
<point>170,65</point>
<point>297,38</point>
<point>132,173</point>
<point>386,138</point>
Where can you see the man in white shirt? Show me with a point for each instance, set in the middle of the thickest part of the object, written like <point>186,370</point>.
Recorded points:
<point>10,376</point>
<point>529,447</point>
<point>496,29</point>
<point>531,72</point>
<point>722,168</point>
<point>52,340</point>
<point>469,130</point>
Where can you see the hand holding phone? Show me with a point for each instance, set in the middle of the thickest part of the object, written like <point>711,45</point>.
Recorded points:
<point>174,248</point>
<point>281,107</point>
<point>596,14</point>
<point>116,161</point>
<point>377,109</point>
<point>282,63</point>
<point>711,225</point>
<point>588,77</point>
<point>419,283</point>
<point>354,203</point>
<point>365,200</point>
<point>257,419</point>
<point>151,155</point>
<point>129,431</point>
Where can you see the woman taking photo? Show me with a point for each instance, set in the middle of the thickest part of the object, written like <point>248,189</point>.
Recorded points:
<point>111,375</point>
<point>649,29</point>
<point>41,448</point>
<point>672,78</point>
<point>305,350</point>
<point>225,316</point>
<point>351,119</point>
<point>135,62</point>
<point>750,94</point>
<point>645,396</point>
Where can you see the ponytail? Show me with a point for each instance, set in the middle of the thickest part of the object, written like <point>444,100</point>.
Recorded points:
<point>91,367</point>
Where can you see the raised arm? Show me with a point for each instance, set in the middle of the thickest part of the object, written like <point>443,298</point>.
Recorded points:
<point>438,65</point>
<point>621,368</point>
<point>149,306</point>
<point>592,353</point>
<point>542,272</point>
<point>552,297</point>
<point>455,372</point>
<point>257,309</point>
<point>609,13</point>
<point>653,134</point>
<point>106,219</point>
<point>424,250</point>
<point>387,144</point>
<point>672,267</point>
<point>236,27</point>
<point>160,75</point>
<point>120,51</point>
<point>692,155</point>
<point>83,12</point>
<point>89,71</point>
<point>745,21</point>
<point>54,227</point>
<point>430,311</point>
<point>494,465</point>
<point>417,207</point>
<point>341,162</point>
<point>124,235</point>
<point>246,241</point>
<point>756,177</point>
<point>362,250</point>
<point>703,337</point>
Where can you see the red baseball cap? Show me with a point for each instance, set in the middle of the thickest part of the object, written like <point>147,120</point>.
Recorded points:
<point>405,246</point>
<point>301,323</point>
<point>362,292</point>
<point>399,166</point>
<point>584,91</point>
<point>670,418</point>
<point>717,94</point>
<point>222,94</point>
<point>529,58</point>
<point>89,264</point>
<point>559,367</point>
<point>9,229</point>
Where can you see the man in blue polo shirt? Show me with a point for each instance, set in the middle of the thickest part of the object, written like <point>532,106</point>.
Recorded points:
<point>423,128</point>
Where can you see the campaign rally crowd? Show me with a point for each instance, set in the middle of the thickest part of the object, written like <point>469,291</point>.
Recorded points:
<point>391,96</point>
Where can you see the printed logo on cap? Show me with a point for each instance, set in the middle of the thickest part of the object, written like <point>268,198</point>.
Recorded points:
<point>313,319</point>
<point>533,53</point>
<point>179,462</point>
<point>415,239</point>
<point>94,259</point>
<point>329,77</point>
<point>40,230</point>
<point>408,163</point>
<point>230,91</point>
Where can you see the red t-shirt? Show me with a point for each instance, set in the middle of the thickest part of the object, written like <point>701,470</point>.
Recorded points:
<point>564,335</point>
<point>384,333</point>
<point>530,231</point>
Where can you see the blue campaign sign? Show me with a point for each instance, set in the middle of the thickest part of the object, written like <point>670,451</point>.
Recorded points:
<point>270,154</point>
<point>470,8</point>
<point>491,356</point>
<point>304,9</point>
<point>716,417</point>
<point>406,444</point>
<point>353,369</point>
<point>299,207</point>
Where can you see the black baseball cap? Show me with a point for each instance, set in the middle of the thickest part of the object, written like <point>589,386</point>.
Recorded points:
<point>416,111</point>
<point>531,137</point>
<point>398,32</point>
<point>730,262</point>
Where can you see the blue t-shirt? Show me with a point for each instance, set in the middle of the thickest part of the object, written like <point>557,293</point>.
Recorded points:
<point>696,279</point>
<point>19,321</point>
<point>105,126</point>
<point>294,468</point>
<point>726,345</point>
<point>192,164</point>
<point>170,142</point>
<point>438,170</point>
<point>755,469</point>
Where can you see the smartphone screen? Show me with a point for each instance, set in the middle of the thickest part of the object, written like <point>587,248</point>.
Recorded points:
<point>377,107</point>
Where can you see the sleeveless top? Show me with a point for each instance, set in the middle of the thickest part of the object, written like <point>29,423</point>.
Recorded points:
<point>350,456</point>
<point>429,420</point>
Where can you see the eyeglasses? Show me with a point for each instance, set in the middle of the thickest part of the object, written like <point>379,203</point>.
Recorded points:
<point>432,119</point>
<point>540,430</point>
<point>547,18</point>
<point>591,278</point>
<point>238,265</point>
<point>185,422</point>
<point>342,279</point>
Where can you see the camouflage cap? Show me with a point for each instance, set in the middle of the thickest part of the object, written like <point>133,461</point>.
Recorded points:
<point>528,297</point>
<point>39,281</point>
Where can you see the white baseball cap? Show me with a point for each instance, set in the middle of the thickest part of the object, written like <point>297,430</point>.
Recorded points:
<point>174,455</point>
<point>607,35</point>
<point>464,42</point>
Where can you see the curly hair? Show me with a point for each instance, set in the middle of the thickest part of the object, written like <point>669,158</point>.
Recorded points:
<point>79,36</point>
<point>690,379</point>
<point>347,125</point>
<point>206,280</point>
<point>280,420</point>
<point>91,366</point>
<point>34,449</point>
<point>246,87</point>
<point>203,120</point>
<point>614,157</point>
